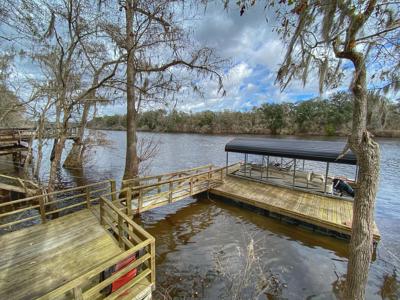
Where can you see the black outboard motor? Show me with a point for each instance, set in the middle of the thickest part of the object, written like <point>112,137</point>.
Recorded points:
<point>342,186</point>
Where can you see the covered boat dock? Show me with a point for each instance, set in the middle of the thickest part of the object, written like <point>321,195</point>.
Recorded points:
<point>298,164</point>
<point>293,180</point>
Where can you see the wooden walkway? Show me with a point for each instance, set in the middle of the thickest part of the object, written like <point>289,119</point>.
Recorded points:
<point>36,260</point>
<point>15,140</point>
<point>325,212</point>
<point>143,194</point>
<point>64,245</point>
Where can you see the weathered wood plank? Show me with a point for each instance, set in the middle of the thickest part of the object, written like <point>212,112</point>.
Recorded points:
<point>326,212</point>
<point>38,259</point>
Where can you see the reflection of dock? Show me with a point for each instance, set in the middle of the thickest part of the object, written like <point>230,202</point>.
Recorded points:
<point>332,214</point>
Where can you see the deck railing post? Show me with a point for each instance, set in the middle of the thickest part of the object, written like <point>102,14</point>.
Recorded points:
<point>113,190</point>
<point>77,291</point>
<point>120,232</point>
<point>170,192</point>
<point>42,209</point>
<point>267,166</point>
<point>129,202</point>
<point>326,176</point>
<point>153,262</point>
<point>159,186</point>
<point>294,172</point>
<point>101,211</point>
<point>88,204</point>
<point>140,200</point>
<point>222,174</point>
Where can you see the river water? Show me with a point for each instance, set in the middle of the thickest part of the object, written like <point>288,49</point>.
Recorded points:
<point>205,246</point>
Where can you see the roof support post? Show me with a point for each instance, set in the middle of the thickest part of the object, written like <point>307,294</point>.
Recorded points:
<point>245,164</point>
<point>356,176</point>
<point>262,166</point>
<point>294,172</point>
<point>326,176</point>
<point>227,162</point>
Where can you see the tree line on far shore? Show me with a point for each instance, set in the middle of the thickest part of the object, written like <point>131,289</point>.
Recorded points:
<point>331,116</point>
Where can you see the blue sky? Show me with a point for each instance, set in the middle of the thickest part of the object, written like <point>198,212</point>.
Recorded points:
<point>254,52</point>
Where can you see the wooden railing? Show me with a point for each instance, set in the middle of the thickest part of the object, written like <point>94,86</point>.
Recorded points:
<point>12,135</point>
<point>166,176</point>
<point>171,188</point>
<point>133,240</point>
<point>17,184</point>
<point>38,209</point>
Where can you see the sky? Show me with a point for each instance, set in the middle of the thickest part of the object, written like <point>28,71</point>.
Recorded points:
<point>254,52</point>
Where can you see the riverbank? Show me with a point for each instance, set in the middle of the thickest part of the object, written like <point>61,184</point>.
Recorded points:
<point>378,133</point>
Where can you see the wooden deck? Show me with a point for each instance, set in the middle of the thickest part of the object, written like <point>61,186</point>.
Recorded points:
<point>325,212</point>
<point>39,259</point>
<point>62,257</point>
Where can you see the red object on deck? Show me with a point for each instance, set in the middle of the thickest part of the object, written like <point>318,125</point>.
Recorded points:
<point>124,278</point>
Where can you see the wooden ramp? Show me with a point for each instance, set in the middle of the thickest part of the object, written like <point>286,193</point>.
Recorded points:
<point>325,212</point>
<point>143,194</point>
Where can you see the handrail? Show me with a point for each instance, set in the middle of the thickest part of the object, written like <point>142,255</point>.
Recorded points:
<point>52,203</point>
<point>126,238</point>
<point>175,173</point>
<point>55,193</point>
<point>21,182</point>
<point>125,216</point>
<point>181,178</point>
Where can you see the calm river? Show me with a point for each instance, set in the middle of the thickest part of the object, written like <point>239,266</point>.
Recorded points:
<point>199,240</point>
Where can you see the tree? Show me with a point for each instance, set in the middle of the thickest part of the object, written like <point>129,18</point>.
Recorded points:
<point>11,108</point>
<point>158,50</point>
<point>57,38</point>
<point>273,116</point>
<point>323,35</point>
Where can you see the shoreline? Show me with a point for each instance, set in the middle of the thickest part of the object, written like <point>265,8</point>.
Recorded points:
<point>389,134</point>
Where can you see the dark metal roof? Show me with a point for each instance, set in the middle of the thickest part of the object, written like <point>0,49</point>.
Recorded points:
<point>327,151</point>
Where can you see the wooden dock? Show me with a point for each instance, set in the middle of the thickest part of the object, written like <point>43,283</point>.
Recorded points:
<point>36,260</point>
<point>69,238</point>
<point>325,212</point>
<point>15,140</point>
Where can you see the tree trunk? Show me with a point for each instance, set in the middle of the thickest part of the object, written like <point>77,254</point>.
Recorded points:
<point>74,159</point>
<point>40,131</point>
<point>368,157</point>
<point>131,160</point>
<point>58,149</point>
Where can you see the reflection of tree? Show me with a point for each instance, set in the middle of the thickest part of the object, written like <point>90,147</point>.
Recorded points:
<point>338,286</point>
<point>390,288</point>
